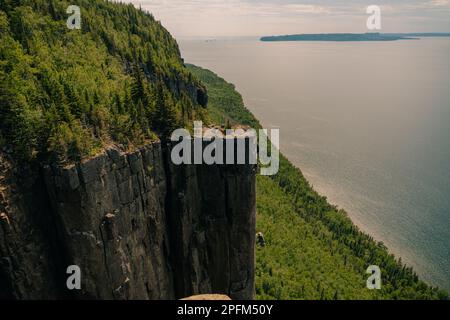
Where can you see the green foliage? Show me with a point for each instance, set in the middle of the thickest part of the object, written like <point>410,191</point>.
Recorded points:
<point>165,119</point>
<point>72,140</point>
<point>65,93</point>
<point>225,106</point>
<point>313,250</point>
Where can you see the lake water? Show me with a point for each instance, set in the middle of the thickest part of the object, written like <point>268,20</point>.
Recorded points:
<point>367,123</point>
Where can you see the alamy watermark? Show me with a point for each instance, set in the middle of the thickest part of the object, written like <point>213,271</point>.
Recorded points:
<point>374,281</point>
<point>74,280</point>
<point>234,146</point>
<point>374,20</point>
<point>74,21</point>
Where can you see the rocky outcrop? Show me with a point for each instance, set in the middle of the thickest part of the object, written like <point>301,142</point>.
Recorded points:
<point>111,218</point>
<point>28,243</point>
<point>212,218</point>
<point>138,227</point>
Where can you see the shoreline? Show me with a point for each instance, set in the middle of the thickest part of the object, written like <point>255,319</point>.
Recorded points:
<point>409,259</point>
<point>294,183</point>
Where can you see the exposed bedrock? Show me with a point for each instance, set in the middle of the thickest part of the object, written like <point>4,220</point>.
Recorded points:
<point>138,227</point>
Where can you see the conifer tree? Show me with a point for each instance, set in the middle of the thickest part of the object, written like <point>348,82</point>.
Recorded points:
<point>165,120</point>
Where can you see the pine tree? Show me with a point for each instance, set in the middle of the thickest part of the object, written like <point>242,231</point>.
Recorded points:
<point>164,121</point>
<point>52,10</point>
<point>138,91</point>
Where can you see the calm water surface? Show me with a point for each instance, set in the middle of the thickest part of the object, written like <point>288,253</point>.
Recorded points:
<point>368,124</point>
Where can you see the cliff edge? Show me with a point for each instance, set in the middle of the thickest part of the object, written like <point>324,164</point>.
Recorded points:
<point>138,227</point>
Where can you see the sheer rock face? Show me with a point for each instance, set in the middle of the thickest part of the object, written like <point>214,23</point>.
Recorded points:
<point>28,268</point>
<point>212,210</point>
<point>138,227</point>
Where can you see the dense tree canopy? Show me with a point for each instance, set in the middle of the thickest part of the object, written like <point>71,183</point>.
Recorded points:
<point>66,93</point>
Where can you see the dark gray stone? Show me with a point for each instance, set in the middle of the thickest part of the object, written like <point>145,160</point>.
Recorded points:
<point>138,226</point>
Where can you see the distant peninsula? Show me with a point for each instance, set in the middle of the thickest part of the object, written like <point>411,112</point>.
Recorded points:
<point>353,37</point>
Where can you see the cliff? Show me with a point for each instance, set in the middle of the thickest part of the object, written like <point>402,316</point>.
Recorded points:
<point>138,227</point>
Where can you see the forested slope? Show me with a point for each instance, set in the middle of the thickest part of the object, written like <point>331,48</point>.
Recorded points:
<point>67,93</point>
<point>313,250</point>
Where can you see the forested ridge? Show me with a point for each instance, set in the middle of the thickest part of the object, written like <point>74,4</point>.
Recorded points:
<point>313,250</point>
<point>66,93</point>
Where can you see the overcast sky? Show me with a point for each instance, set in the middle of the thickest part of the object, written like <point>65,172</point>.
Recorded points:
<point>216,18</point>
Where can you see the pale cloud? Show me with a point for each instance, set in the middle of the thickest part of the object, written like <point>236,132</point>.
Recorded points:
<point>302,8</point>
<point>440,3</point>
<point>215,18</point>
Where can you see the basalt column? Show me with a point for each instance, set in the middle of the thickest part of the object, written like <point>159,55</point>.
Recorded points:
<point>212,211</point>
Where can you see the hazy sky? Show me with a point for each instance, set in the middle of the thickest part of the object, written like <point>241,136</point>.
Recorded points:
<point>215,18</point>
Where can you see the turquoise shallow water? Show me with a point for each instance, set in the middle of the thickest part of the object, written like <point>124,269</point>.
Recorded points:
<point>368,124</point>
